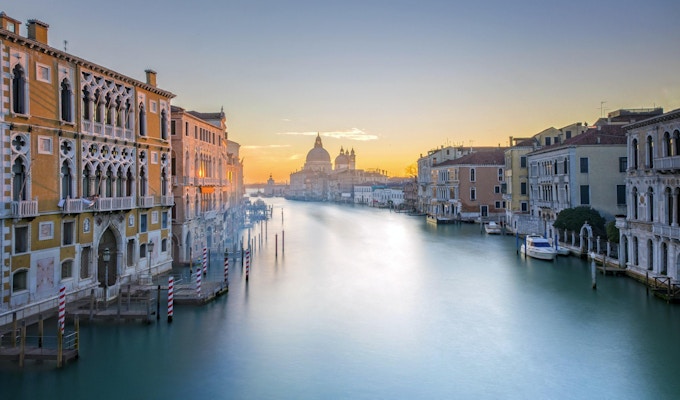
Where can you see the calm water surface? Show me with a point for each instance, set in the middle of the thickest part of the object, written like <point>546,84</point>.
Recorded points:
<point>368,304</point>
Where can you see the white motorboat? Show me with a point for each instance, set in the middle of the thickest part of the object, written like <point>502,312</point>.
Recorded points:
<point>492,228</point>
<point>538,247</point>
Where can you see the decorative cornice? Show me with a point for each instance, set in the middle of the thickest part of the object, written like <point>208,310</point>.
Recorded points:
<point>61,55</point>
<point>675,114</point>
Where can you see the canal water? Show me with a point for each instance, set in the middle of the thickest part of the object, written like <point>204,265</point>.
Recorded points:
<point>367,304</point>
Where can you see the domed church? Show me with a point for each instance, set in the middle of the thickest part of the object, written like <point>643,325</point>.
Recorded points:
<point>318,158</point>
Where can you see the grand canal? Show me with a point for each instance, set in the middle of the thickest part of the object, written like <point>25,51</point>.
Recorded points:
<point>368,304</point>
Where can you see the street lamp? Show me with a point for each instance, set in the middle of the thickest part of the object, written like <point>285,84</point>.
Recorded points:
<point>150,248</point>
<point>106,257</point>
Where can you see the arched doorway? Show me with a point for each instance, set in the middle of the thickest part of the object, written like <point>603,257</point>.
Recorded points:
<point>107,269</point>
<point>175,251</point>
<point>187,248</point>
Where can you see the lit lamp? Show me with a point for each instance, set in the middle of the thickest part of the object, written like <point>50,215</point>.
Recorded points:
<point>150,246</point>
<point>106,256</point>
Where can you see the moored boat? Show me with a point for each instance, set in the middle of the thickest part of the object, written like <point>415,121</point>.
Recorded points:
<point>492,228</point>
<point>537,246</point>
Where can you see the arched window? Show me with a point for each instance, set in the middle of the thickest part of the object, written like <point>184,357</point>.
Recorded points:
<point>636,251</point>
<point>164,125</point>
<point>98,107</point>
<point>650,255</point>
<point>119,112</point>
<point>635,154</point>
<point>67,269</point>
<point>164,186</point>
<point>650,204</point>
<point>664,259</point>
<point>667,145</point>
<point>634,202</point>
<point>18,90</point>
<point>128,115</point>
<point>669,206</point>
<point>650,152</point>
<point>142,120</point>
<point>110,109</point>
<point>98,180</point>
<point>65,97</point>
<point>85,255</point>
<point>86,104</point>
<point>87,176</point>
<point>142,182</point>
<point>119,183</point>
<point>128,184</point>
<point>19,180</point>
<point>676,143</point>
<point>109,182</point>
<point>66,181</point>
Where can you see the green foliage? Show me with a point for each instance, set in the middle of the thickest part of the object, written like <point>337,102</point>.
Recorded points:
<point>572,219</point>
<point>612,232</point>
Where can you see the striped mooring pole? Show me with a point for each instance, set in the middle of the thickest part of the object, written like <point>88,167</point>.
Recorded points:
<point>226,267</point>
<point>205,261</point>
<point>171,297</point>
<point>62,309</point>
<point>247,263</point>
<point>198,282</point>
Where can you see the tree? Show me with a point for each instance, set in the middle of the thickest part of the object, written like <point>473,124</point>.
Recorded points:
<point>572,219</point>
<point>411,170</point>
<point>612,232</point>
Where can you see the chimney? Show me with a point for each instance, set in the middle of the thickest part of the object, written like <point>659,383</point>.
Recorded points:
<point>150,77</point>
<point>37,30</point>
<point>9,24</point>
<point>511,144</point>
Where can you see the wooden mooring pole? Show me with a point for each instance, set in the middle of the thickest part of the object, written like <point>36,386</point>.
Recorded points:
<point>40,330</point>
<point>158,303</point>
<point>593,271</point>
<point>276,245</point>
<point>22,349</point>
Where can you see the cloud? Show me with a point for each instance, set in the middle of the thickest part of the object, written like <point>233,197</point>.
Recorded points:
<point>266,146</point>
<point>351,134</point>
<point>295,157</point>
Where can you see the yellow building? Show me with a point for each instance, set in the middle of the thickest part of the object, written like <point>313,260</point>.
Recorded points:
<point>86,173</point>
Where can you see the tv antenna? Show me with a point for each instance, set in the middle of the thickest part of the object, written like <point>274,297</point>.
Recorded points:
<point>602,108</point>
<point>65,45</point>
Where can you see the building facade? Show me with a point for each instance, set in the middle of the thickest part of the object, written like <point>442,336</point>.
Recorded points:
<point>207,184</point>
<point>650,233</point>
<point>85,169</point>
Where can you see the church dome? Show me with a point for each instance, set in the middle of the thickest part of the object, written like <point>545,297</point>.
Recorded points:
<point>318,153</point>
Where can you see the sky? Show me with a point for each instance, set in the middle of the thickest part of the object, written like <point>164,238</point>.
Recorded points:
<point>389,79</point>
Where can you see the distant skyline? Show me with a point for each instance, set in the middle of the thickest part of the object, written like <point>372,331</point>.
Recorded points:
<point>391,79</point>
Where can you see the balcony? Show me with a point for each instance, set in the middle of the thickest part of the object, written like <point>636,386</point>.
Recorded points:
<point>72,206</point>
<point>167,201</point>
<point>128,134</point>
<point>174,181</point>
<point>86,126</point>
<point>145,201</point>
<point>25,208</point>
<point>108,130</point>
<point>671,232</point>
<point>667,163</point>
<point>187,180</point>
<point>97,128</point>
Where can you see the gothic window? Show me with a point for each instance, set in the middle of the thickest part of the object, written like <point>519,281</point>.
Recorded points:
<point>676,143</point>
<point>86,105</point>
<point>142,182</point>
<point>128,115</point>
<point>98,181</point>
<point>110,109</point>
<point>119,112</point>
<point>65,97</point>
<point>164,186</point>
<point>87,175</point>
<point>66,181</point>
<point>650,152</point>
<point>119,183</point>
<point>18,90</point>
<point>142,120</point>
<point>650,255</point>
<point>98,107</point>
<point>164,125</point>
<point>109,182</point>
<point>19,180</point>
<point>128,184</point>
<point>634,202</point>
<point>635,154</point>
